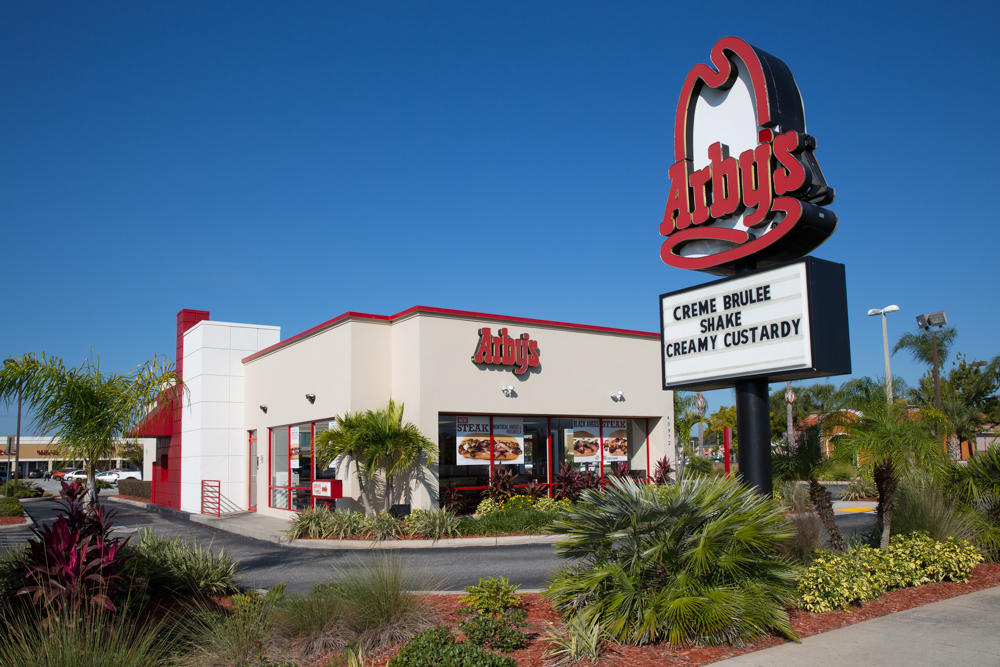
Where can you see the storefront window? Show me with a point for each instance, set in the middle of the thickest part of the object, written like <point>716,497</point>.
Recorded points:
<point>469,443</point>
<point>291,466</point>
<point>279,467</point>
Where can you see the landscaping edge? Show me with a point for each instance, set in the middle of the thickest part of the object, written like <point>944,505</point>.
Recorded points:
<point>354,545</point>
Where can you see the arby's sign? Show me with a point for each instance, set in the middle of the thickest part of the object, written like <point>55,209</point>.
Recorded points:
<point>744,183</point>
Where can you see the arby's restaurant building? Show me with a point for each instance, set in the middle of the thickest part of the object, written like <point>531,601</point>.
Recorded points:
<point>490,390</point>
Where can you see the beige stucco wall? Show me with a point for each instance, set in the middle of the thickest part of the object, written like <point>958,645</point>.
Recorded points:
<point>425,361</point>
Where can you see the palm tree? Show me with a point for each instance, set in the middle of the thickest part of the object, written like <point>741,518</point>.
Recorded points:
<point>803,464</point>
<point>921,345</point>
<point>379,443</point>
<point>91,413</point>
<point>894,440</point>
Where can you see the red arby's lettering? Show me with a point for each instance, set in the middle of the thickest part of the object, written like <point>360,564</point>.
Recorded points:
<point>503,350</point>
<point>728,185</point>
<point>760,205</point>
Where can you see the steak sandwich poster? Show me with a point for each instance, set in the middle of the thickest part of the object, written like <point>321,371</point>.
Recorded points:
<point>472,440</point>
<point>614,434</point>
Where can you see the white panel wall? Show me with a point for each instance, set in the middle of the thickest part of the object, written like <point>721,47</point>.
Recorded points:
<point>214,442</point>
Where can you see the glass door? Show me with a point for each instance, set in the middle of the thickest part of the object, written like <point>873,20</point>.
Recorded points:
<point>252,501</point>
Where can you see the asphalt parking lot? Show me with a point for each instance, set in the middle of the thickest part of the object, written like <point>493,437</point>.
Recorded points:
<point>264,564</point>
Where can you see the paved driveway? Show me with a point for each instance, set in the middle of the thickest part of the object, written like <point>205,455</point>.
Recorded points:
<point>263,564</point>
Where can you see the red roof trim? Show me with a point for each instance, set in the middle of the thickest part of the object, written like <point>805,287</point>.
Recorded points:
<point>351,315</point>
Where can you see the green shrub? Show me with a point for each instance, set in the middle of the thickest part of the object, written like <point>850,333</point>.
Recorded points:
<point>21,489</point>
<point>518,502</point>
<point>698,466</point>
<point>185,569</point>
<point>578,642</point>
<point>794,496</point>
<point>315,523</point>
<point>136,488</point>
<point>10,507</point>
<point>382,526</point>
<point>438,647</point>
<point>859,488</point>
<point>692,562</point>
<point>487,506</point>
<point>837,471</point>
<point>235,638</point>
<point>502,633</point>
<point>94,639</point>
<point>923,508</point>
<point>379,607</point>
<point>530,522</point>
<point>551,505</point>
<point>801,547</point>
<point>492,596</point>
<point>838,580</point>
<point>433,524</point>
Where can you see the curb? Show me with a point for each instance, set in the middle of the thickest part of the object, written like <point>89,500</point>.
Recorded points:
<point>446,543</point>
<point>344,545</point>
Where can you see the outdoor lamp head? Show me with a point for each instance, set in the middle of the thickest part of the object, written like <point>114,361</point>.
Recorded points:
<point>890,309</point>
<point>874,311</point>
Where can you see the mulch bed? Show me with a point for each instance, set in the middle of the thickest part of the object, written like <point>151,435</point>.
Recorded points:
<point>540,617</point>
<point>12,520</point>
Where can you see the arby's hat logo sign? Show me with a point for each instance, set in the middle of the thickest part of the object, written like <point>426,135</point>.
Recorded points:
<point>744,185</point>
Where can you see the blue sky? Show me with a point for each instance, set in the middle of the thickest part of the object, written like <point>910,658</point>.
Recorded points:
<point>283,164</point>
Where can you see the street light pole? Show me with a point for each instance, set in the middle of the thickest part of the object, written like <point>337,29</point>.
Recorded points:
<point>925,322</point>
<point>885,345</point>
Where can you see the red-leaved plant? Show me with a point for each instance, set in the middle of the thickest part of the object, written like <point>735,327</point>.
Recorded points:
<point>73,561</point>
<point>661,475</point>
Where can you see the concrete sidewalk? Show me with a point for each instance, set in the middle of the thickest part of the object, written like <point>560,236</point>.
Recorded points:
<point>959,631</point>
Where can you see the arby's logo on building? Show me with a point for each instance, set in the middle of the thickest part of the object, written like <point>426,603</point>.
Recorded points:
<point>744,185</point>
<point>520,352</point>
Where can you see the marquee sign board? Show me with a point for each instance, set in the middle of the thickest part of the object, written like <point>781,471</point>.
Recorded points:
<point>744,184</point>
<point>783,323</point>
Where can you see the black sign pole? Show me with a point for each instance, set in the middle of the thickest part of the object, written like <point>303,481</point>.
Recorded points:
<point>753,421</point>
<point>753,424</point>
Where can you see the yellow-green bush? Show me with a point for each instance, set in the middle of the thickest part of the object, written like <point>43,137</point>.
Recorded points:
<point>487,506</point>
<point>552,505</point>
<point>836,581</point>
<point>518,502</point>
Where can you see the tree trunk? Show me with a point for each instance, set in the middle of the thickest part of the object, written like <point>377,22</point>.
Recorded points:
<point>885,482</point>
<point>92,486</point>
<point>388,493</point>
<point>824,508</point>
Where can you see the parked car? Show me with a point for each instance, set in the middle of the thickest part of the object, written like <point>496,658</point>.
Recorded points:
<point>109,476</point>
<point>35,474</point>
<point>62,472</point>
<point>115,474</point>
<point>77,475</point>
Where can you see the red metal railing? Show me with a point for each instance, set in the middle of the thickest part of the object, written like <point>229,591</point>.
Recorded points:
<point>211,497</point>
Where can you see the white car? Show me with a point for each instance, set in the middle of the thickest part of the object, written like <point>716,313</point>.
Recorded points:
<point>113,476</point>
<point>76,476</point>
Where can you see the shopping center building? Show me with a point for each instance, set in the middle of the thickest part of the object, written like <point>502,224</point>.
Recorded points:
<point>490,390</point>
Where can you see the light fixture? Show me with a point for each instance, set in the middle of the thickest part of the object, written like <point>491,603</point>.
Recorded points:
<point>263,408</point>
<point>925,322</point>
<point>618,395</point>
<point>885,345</point>
<point>507,390</point>
<point>311,398</point>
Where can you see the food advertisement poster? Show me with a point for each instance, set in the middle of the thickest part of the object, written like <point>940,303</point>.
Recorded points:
<point>472,441</point>
<point>586,440</point>
<point>293,438</point>
<point>614,434</point>
<point>508,440</point>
